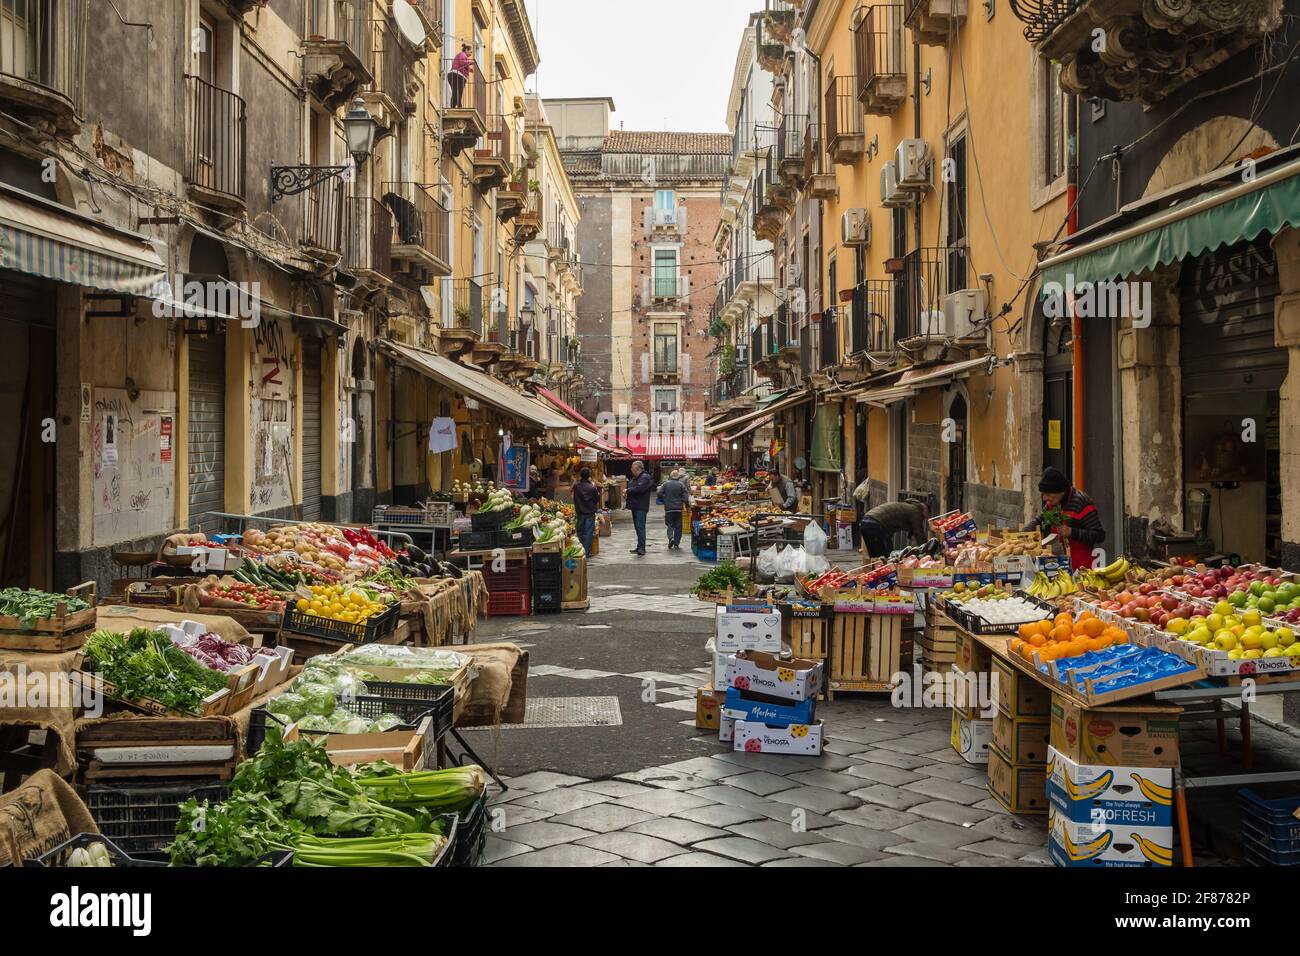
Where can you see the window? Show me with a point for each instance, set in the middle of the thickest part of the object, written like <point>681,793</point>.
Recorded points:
<point>1054,123</point>
<point>665,348</point>
<point>1049,131</point>
<point>955,199</point>
<point>665,399</point>
<point>665,199</point>
<point>665,277</point>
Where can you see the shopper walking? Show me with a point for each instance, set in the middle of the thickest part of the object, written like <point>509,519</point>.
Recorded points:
<point>639,490</point>
<point>883,521</point>
<point>458,75</point>
<point>586,504</point>
<point>676,497</point>
<point>1070,514</point>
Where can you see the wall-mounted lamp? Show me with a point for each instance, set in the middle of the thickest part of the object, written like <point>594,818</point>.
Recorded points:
<point>359,132</point>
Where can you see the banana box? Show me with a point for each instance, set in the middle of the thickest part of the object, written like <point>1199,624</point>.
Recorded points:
<point>972,657</point>
<point>971,737</point>
<point>762,673</point>
<point>1073,844</point>
<point>1116,796</point>
<point>755,737</point>
<point>1124,735</point>
<point>1019,789</point>
<point>1021,740</point>
<point>1018,694</point>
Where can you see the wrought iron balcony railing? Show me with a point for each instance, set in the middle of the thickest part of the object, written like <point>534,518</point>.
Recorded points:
<point>872,316</point>
<point>322,214</point>
<point>421,221</point>
<point>217,146</point>
<point>880,57</point>
<point>42,44</point>
<point>367,236</point>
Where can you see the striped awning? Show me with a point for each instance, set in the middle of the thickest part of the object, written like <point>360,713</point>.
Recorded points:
<point>671,445</point>
<point>42,239</point>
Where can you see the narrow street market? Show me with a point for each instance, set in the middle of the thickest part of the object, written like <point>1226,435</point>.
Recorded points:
<point>826,433</point>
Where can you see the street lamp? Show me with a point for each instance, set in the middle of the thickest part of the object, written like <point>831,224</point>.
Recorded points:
<point>358,131</point>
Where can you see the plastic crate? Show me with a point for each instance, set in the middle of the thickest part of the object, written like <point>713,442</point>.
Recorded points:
<point>548,601</point>
<point>367,632</point>
<point>440,514</point>
<point>141,818</point>
<point>58,857</point>
<point>399,515</point>
<point>477,540</point>
<point>515,577</point>
<point>471,833</point>
<point>491,521</point>
<point>1259,850</point>
<point>508,604</point>
<point>1273,822</point>
<point>547,579</point>
<point>450,825</point>
<point>706,554</point>
<point>548,561</point>
<point>410,702</point>
<point>519,538</point>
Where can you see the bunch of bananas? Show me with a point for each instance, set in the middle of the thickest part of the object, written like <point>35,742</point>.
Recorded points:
<point>1049,588</point>
<point>1100,579</point>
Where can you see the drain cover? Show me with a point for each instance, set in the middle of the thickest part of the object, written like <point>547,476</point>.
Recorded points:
<point>571,712</point>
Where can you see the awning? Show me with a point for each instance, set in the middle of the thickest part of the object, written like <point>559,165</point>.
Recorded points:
<point>885,397</point>
<point>752,426</point>
<point>672,445</point>
<point>588,432</point>
<point>787,400</point>
<point>938,374</point>
<point>560,430</point>
<point>1241,211</point>
<point>44,239</point>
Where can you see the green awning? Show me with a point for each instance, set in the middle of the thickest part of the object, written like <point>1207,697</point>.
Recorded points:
<point>1198,225</point>
<point>828,439</point>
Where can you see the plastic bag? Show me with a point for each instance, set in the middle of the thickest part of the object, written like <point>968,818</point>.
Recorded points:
<point>791,563</point>
<point>767,562</point>
<point>814,539</point>
<point>817,564</point>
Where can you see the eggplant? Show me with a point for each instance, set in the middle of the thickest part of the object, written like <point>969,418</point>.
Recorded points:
<point>449,569</point>
<point>416,555</point>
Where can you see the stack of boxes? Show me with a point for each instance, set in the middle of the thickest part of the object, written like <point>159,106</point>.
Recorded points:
<point>1111,785</point>
<point>1018,749</point>
<point>761,703</point>
<point>972,724</point>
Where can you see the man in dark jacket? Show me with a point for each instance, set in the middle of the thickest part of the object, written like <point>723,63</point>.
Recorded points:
<point>1071,514</point>
<point>639,489</point>
<point>781,487</point>
<point>586,503</point>
<point>880,524</point>
<point>676,496</point>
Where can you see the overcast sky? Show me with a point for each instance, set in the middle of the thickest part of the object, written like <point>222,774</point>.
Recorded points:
<point>666,64</point>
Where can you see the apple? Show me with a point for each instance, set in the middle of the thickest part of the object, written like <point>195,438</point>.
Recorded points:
<point>1293,651</point>
<point>1268,640</point>
<point>1142,614</point>
<point>1274,652</point>
<point>1284,637</point>
<point>1225,640</point>
<point>1177,625</point>
<point>1252,655</point>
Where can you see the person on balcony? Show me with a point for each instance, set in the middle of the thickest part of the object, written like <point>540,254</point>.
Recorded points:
<point>458,76</point>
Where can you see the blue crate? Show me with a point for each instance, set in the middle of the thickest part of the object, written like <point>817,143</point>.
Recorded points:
<point>1272,826</point>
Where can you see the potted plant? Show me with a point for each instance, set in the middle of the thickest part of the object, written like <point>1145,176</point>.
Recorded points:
<point>463,316</point>
<point>727,365</point>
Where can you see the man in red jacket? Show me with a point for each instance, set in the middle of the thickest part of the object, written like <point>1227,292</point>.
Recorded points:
<point>1071,514</point>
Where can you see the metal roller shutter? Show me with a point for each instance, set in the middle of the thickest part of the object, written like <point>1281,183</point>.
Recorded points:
<point>311,428</point>
<point>207,427</point>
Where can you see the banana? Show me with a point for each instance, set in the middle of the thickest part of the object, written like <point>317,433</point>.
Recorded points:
<point>1116,572</point>
<point>1089,850</point>
<point>1157,854</point>
<point>1088,790</point>
<point>1154,791</point>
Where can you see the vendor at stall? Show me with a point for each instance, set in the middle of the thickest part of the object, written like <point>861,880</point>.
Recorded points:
<point>586,504</point>
<point>783,492</point>
<point>881,523</point>
<point>1070,514</point>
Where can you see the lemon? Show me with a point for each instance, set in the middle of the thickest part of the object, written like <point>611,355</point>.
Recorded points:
<point>303,605</point>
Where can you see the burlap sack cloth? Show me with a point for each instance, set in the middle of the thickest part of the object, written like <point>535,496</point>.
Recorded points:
<point>56,721</point>
<point>122,618</point>
<point>444,609</point>
<point>41,813</point>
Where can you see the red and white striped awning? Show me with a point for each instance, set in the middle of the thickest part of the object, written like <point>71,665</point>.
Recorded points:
<point>671,445</point>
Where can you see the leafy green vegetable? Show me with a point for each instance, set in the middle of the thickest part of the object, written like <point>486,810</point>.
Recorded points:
<point>726,575</point>
<point>146,663</point>
<point>30,605</point>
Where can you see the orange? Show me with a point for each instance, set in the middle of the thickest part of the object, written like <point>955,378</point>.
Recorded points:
<point>1044,627</point>
<point>1037,640</point>
<point>1092,627</point>
<point>1105,641</point>
<point>1062,632</point>
<point>1027,651</point>
<point>1121,637</point>
<point>1049,653</point>
<point>1027,631</point>
<point>1085,615</point>
<point>1014,645</point>
<point>1071,649</point>
<point>1064,619</point>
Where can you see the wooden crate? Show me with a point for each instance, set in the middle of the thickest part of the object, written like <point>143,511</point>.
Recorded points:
<point>865,652</point>
<point>809,637</point>
<point>62,632</point>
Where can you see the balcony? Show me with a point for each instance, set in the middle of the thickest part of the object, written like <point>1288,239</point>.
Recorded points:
<point>772,201</point>
<point>780,19</point>
<point>393,96</point>
<point>929,276</point>
<point>512,199</point>
<point>817,182</point>
<point>338,51</point>
<point>790,149</point>
<point>421,240</point>
<point>464,120</point>
<point>828,354</point>
<point>42,58</point>
<point>769,51</point>
<point>934,22</point>
<point>430,12</point>
<point>461,328</point>
<point>368,239</point>
<point>214,165</point>
<point>881,57</point>
<point>666,292</point>
<point>492,157</point>
<point>1151,48</point>
<point>843,121</point>
<point>322,218</point>
<point>664,223</point>
<point>872,316</point>
<point>528,224</point>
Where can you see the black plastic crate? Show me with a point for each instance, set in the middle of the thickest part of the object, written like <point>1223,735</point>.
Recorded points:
<point>58,857</point>
<point>547,580</point>
<point>450,824</point>
<point>471,833</point>
<point>369,706</point>
<point>477,540</point>
<point>519,538</point>
<point>141,818</point>
<point>367,632</point>
<point>490,521</point>
<point>413,701</point>
<point>548,561</point>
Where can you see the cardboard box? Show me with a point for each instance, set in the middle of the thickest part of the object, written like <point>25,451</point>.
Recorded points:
<point>1019,695</point>
<point>971,737</point>
<point>721,663</point>
<point>1019,789</point>
<point>748,631</point>
<point>1118,796</point>
<point>708,707</point>
<point>971,656</point>
<point>1074,844</point>
<point>1023,741</point>
<point>759,738</point>
<point>1118,736</point>
<point>743,706</point>
<point>762,673</point>
<point>726,728</point>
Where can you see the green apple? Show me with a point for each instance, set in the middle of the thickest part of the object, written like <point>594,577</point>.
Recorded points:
<point>1268,640</point>
<point>1251,618</point>
<point>1284,637</point>
<point>1177,625</point>
<point>1237,599</point>
<point>1235,654</point>
<point>1274,652</point>
<point>1225,640</point>
<point>1257,588</point>
<point>1266,605</point>
<point>1215,622</point>
<point>1293,650</point>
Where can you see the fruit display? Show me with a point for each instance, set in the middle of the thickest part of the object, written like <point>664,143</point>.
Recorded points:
<point>232,593</point>
<point>1148,605</point>
<point>962,592</point>
<point>1242,634</point>
<point>350,604</point>
<point>324,545</point>
<point>1004,611</point>
<point>1065,636</point>
<point>1112,576</point>
<point>1123,668</point>
<point>1246,588</point>
<point>1058,585</point>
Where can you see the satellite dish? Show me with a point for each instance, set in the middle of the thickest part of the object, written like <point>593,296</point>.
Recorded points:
<point>408,21</point>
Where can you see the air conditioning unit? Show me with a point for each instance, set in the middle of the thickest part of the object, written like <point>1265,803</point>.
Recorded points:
<point>855,228</point>
<point>795,271</point>
<point>933,324</point>
<point>912,161</point>
<point>963,311</point>
<point>891,195</point>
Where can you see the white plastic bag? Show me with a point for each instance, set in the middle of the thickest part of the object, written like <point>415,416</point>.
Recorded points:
<point>791,563</point>
<point>767,562</point>
<point>814,539</point>
<point>817,564</point>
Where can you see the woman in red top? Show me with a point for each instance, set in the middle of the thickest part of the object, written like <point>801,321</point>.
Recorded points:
<point>1079,523</point>
<point>459,74</point>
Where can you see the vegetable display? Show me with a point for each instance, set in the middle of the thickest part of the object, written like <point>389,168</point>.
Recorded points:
<point>217,653</point>
<point>95,855</point>
<point>726,576</point>
<point>30,606</point>
<point>338,602</point>
<point>499,500</point>
<point>256,597</point>
<point>146,663</point>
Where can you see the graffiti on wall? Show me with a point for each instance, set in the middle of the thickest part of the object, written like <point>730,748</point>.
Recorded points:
<point>272,416</point>
<point>134,476</point>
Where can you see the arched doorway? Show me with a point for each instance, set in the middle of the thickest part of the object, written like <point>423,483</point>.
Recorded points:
<point>359,433</point>
<point>1058,396</point>
<point>953,433</point>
